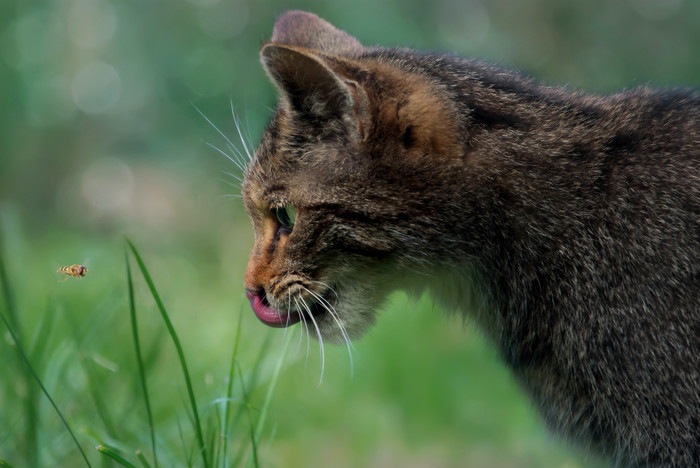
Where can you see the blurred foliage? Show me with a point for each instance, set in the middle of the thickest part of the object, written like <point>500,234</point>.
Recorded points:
<point>89,85</point>
<point>100,135</point>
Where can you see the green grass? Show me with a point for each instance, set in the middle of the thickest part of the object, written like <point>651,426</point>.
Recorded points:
<point>109,417</point>
<point>180,354</point>
<point>425,388</point>
<point>30,374</point>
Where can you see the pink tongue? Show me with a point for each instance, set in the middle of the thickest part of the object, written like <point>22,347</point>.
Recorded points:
<point>268,315</point>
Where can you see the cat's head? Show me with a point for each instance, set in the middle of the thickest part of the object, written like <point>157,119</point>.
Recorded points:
<point>334,189</point>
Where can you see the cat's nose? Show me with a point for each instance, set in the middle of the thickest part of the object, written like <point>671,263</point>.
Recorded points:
<point>257,274</point>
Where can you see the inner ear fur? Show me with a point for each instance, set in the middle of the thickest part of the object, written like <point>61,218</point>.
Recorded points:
<point>313,85</point>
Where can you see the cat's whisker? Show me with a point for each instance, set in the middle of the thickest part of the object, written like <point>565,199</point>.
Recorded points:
<point>234,176</point>
<point>237,123</point>
<point>235,161</point>
<point>233,185</point>
<point>236,157</point>
<point>223,135</point>
<point>228,182</point>
<point>306,327</point>
<point>343,330</point>
<point>318,334</point>
<point>248,133</point>
<point>331,310</point>
<point>289,299</point>
<point>240,157</point>
<point>327,286</point>
<point>301,329</point>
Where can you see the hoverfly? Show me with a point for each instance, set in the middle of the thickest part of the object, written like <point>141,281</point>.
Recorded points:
<point>76,271</point>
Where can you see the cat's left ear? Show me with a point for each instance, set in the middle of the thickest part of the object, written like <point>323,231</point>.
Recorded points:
<point>313,85</point>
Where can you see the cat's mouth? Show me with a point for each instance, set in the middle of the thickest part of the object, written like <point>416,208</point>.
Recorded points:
<point>277,318</point>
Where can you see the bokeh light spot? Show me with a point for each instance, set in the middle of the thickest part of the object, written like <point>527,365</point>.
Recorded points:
<point>224,20</point>
<point>32,39</point>
<point>656,9</point>
<point>209,71</point>
<point>204,3</point>
<point>464,25</point>
<point>91,23</point>
<point>96,88</point>
<point>107,185</point>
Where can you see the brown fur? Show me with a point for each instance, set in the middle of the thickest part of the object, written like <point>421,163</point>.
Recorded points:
<point>567,224</point>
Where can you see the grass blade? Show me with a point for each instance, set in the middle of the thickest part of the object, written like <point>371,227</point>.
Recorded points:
<point>253,381</point>
<point>253,440</point>
<point>30,400</point>
<point>139,357</point>
<point>42,336</point>
<point>4,464</point>
<point>229,389</point>
<point>142,459</point>
<point>9,297</point>
<point>178,347</point>
<point>29,367</point>
<point>37,354</point>
<point>93,388</point>
<point>111,453</point>
<point>271,388</point>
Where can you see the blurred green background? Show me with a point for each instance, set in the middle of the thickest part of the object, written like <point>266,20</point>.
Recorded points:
<point>101,137</point>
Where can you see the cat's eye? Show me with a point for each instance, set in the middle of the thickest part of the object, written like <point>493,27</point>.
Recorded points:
<point>286,215</point>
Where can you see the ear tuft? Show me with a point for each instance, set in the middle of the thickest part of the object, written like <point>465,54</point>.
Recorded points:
<point>302,29</point>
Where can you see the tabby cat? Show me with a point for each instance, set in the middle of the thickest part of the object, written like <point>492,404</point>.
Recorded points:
<point>566,224</point>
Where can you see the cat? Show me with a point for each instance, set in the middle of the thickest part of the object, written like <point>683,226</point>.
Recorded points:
<point>566,224</point>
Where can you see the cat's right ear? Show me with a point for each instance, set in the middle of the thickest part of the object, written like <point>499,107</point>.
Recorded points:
<point>312,86</point>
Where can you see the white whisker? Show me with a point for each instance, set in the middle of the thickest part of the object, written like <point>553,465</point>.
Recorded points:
<point>240,134</point>
<point>327,286</point>
<point>236,162</point>
<point>223,135</point>
<point>237,158</point>
<point>234,176</point>
<point>306,326</point>
<point>301,329</point>
<point>331,310</point>
<point>229,183</point>
<point>336,318</point>
<point>320,338</point>
<point>289,299</point>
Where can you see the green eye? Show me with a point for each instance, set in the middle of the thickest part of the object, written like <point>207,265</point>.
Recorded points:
<point>286,216</point>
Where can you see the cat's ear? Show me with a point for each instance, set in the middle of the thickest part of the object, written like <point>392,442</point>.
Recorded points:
<point>312,85</point>
<point>302,29</point>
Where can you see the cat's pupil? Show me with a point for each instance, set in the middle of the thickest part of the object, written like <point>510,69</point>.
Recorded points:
<point>286,216</point>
